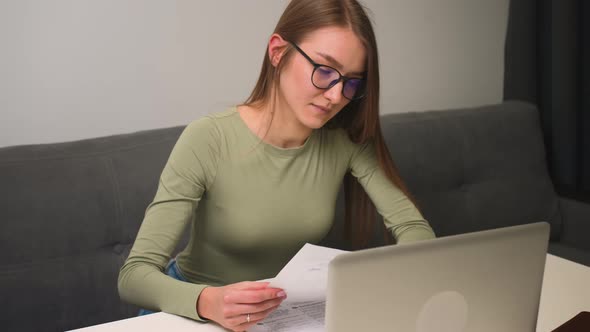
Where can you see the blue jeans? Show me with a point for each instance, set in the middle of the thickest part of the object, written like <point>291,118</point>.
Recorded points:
<point>173,271</point>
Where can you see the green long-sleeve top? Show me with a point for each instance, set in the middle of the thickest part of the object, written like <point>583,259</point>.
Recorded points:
<point>251,206</point>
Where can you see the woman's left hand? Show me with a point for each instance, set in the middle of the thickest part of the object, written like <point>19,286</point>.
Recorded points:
<point>239,306</point>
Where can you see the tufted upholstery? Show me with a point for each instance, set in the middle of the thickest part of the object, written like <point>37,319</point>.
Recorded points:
<point>480,168</point>
<point>70,211</point>
<point>475,169</point>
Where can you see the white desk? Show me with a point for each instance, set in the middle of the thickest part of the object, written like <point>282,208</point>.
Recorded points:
<point>566,292</point>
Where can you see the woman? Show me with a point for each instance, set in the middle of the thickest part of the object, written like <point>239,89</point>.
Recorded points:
<point>259,180</point>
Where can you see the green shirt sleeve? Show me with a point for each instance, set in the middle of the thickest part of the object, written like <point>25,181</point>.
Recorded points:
<point>400,215</point>
<point>189,171</point>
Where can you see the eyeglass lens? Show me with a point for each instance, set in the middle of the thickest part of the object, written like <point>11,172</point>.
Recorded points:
<point>325,77</point>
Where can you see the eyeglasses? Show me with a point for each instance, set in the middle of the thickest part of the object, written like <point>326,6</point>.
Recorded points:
<point>324,77</point>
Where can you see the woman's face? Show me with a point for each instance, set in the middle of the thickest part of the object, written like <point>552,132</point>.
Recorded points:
<point>306,104</point>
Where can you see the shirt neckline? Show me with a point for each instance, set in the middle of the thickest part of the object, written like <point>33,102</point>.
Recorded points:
<point>267,147</point>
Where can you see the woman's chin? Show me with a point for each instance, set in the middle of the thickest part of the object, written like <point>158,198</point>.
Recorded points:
<point>316,120</point>
<point>315,123</point>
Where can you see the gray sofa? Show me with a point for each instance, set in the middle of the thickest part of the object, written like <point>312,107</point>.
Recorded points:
<point>70,211</point>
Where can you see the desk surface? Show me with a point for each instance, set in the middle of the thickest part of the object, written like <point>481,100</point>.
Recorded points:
<point>565,293</point>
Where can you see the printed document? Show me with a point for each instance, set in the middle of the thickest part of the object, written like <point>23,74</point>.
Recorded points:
<point>305,277</point>
<point>305,280</point>
<point>294,317</point>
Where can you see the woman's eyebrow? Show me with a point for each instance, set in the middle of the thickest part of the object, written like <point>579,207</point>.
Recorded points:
<point>338,65</point>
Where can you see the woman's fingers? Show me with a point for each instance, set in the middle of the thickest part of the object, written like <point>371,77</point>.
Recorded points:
<point>250,285</point>
<point>241,322</point>
<point>230,305</point>
<point>253,295</point>
<point>250,306</point>
<point>241,309</point>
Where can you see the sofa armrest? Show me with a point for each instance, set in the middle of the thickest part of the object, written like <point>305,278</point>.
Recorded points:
<point>576,223</point>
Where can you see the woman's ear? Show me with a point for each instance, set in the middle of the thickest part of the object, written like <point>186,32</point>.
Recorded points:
<point>276,49</point>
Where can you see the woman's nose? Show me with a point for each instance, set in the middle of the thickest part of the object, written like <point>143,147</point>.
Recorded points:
<point>334,94</point>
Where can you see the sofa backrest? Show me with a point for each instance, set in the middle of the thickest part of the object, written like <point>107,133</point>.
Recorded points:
<point>469,169</point>
<point>475,169</point>
<point>69,213</point>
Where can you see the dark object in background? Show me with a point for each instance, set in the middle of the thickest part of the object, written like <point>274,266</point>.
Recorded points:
<point>580,323</point>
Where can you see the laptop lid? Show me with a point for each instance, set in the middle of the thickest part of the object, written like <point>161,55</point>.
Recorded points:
<point>483,281</point>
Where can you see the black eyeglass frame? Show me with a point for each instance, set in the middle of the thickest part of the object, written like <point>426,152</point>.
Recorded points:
<point>341,77</point>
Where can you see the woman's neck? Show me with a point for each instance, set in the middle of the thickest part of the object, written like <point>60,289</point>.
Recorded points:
<point>275,126</point>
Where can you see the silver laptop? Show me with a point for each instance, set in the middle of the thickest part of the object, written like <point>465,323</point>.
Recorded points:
<point>475,282</point>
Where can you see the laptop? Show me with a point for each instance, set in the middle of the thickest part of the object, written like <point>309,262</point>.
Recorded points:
<point>475,282</point>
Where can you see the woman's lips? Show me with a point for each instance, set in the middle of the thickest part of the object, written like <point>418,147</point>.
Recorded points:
<point>322,109</point>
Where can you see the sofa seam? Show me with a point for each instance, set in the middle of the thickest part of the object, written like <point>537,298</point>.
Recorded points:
<point>85,155</point>
<point>465,114</point>
<point>560,210</point>
<point>54,259</point>
<point>116,195</point>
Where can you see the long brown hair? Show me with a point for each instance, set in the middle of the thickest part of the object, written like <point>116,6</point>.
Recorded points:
<point>359,118</point>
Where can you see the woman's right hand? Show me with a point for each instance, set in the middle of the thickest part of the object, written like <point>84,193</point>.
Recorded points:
<point>239,306</point>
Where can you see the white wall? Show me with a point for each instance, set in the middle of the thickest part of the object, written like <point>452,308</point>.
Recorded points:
<point>72,69</point>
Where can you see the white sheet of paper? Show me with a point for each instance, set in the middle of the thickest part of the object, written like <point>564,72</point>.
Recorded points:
<point>294,317</point>
<point>305,277</point>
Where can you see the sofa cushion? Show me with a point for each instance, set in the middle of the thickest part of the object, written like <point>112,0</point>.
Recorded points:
<point>70,212</point>
<point>475,169</point>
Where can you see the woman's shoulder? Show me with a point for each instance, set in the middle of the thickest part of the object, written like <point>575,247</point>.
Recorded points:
<point>212,123</point>
<point>208,130</point>
<point>338,138</point>
<point>339,142</point>
<point>215,119</point>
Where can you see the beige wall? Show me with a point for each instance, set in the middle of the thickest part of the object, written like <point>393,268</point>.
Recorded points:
<point>74,69</point>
